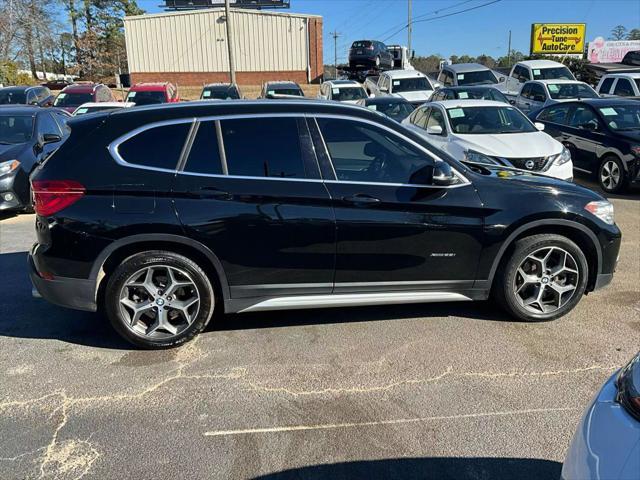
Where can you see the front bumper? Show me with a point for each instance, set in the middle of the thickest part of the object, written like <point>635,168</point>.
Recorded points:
<point>606,444</point>
<point>76,293</point>
<point>14,190</point>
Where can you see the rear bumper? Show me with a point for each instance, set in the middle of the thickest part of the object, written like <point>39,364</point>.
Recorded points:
<point>76,293</point>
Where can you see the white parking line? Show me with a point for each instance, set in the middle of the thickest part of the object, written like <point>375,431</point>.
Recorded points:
<point>399,421</point>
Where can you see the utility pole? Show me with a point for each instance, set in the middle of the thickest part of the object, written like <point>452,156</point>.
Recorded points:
<point>335,35</point>
<point>409,27</point>
<point>509,50</point>
<point>232,63</point>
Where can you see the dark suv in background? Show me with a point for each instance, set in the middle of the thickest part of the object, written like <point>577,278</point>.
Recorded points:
<point>267,205</point>
<point>37,96</point>
<point>368,54</point>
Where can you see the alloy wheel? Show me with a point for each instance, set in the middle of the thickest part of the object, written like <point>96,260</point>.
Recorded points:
<point>159,301</point>
<point>610,175</point>
<point>546,280</point>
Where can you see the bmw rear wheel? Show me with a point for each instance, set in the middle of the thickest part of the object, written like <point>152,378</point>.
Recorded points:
<point>159,299</point>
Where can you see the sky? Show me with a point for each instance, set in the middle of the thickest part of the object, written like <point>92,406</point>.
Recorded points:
<point>484,30</point>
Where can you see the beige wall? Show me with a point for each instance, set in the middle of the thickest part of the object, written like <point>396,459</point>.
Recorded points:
<point>196,42</point>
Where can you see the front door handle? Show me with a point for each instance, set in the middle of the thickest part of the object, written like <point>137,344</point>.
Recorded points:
<point>361,198</point>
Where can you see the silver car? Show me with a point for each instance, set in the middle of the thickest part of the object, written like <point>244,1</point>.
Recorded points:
<point>606,444</point>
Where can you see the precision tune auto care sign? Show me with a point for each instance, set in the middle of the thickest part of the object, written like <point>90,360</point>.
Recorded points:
<point>557,38</point>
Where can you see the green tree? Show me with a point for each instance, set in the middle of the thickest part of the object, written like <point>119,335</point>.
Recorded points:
<point>634,34</point>
<point>618,32</point>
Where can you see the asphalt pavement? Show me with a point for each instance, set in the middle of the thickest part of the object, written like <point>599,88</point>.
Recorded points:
<point>432,391</point>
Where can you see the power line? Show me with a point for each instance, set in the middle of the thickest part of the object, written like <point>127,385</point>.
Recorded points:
<point>424,15</point>
<point>442,16</point>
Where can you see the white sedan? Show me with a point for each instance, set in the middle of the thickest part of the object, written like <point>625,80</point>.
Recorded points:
<point>483,131</point>
<point>92,107</point>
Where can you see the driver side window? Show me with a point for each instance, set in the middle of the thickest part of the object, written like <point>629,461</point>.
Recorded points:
<point>364,153</point>
<point>583,117</point>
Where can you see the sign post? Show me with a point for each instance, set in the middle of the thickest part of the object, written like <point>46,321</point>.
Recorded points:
<point>558,38</point>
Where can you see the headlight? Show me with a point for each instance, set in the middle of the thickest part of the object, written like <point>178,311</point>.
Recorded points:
<point>8,166</point>
<point>476,157</point>
<point>601,209</point>
<point>628,384</point>
<point>563,157</point>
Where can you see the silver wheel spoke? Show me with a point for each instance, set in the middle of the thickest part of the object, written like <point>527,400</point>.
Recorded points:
<point>159,301</point>
<point>546,280</point>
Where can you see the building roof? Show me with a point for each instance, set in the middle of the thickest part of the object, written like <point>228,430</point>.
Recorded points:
<point>207,10</point>
<point>465,67</point>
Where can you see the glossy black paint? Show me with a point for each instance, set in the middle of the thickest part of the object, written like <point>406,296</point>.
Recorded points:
<point>375,54</point>
<point>265,237</point>
<point>590,147</point>
<point>29,153</point>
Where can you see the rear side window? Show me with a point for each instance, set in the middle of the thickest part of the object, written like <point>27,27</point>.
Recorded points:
<point>47,125</point>
<point>263,147</point>
<point>606,85</point>
<point>556,114</point>
<point>623,88</point>
<point>204,156</point>
<point>157,147</point>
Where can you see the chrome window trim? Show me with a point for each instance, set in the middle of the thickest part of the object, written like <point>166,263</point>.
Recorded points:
<point>465,180</point>
<point>113,147</point>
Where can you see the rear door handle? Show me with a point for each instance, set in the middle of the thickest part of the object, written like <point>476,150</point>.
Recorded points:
<point>213,192</point>
<point>361,198</point>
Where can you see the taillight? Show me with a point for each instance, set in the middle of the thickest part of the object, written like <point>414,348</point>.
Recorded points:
<point>51,196</point>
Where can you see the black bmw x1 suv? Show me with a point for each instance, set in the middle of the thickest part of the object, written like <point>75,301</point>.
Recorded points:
<point>162,215</point>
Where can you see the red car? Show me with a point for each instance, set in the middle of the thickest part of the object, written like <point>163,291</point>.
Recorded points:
<point>153,93</point>
<point>72,96</point>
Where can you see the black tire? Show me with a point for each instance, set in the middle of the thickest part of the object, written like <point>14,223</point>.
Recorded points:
<point>140,261</point>
<point>607,163</point>
<point>504,288</point>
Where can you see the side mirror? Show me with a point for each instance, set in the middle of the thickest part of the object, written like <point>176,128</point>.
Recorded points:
<point>371,95</point>
<point>434,130</point>
<point>539,126</point>
<point>592,126</point>
<point>512,101</point>
<point>384,89</point>
<point>502,79</point>
<point>50,138</point>
<point>443,175</point>
<point>413,54</point>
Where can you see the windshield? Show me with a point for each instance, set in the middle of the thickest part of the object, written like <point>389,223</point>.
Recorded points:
<point>83,110</point>
<point>146,98</point>
<point>480,77</point>
<point>559,91</point>
<point>411,84</point>
<point>72,99</point>
<point>553,73</point>
<point>285,91</point>
<point>348,93</point>
<point>15,129</point>
<point>482,94</point>
<point>220,93</point>
<point>488,120</point>
<point>622,117</point>
<point>398,111</point>
<point>12,97</point>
